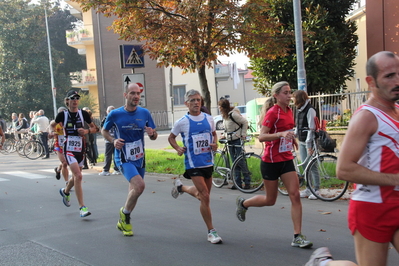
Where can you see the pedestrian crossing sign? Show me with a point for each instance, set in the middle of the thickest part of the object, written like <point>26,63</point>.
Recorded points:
<point>132,56</point>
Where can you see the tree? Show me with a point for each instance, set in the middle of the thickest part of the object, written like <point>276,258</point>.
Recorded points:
<point>190,34</point>
<point>24,66</point>
<point>329,47</point>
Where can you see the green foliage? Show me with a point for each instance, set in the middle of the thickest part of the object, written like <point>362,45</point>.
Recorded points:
<point>87,100</point>
<point>25,82</point>
<point>329,47</point>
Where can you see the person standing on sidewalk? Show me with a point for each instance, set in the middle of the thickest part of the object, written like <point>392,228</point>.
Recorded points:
<point>305,130</point>
<point>277,161</point>
<point>109,149</point>
<point>199,137</point>
<point>42,128</point>
<point>72,120</point>
<point>130,122</point>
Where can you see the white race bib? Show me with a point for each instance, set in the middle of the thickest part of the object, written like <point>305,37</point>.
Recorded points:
<point>285,145</point>
<point>201,143</point>
<point>134,150</point>
<point>74,144</point>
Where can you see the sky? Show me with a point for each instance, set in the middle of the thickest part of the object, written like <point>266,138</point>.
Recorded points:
<point>240,59</point>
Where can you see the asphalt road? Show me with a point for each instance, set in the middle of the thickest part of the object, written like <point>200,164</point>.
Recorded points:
<point>37,229</point>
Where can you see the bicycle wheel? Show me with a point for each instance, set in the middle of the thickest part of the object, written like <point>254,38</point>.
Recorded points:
<point>283,190</point>
<point>8,145</point>
<point>322,179</point>
<point>33,149</point>
<point>246,173</point>
<point>19,147</point>
<point>221,169</point>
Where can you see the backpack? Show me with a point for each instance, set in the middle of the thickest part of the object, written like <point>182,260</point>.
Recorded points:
<point>324,141</point>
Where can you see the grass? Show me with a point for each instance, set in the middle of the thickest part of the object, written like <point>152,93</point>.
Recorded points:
<point>163,162</point>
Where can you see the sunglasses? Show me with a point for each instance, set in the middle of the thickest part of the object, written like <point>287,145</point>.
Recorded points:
<point>74,98</point>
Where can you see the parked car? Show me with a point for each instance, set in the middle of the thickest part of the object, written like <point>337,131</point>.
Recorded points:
<point>219,119</point>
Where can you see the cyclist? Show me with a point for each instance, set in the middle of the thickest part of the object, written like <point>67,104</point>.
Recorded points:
<point>235,123</point>
<point>277,161</point>
<point>305,119</point>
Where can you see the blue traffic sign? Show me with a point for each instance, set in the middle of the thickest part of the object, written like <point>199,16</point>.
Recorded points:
<point>132,56</point>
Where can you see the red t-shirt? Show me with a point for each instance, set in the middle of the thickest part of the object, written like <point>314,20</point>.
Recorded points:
<point>278,121</point>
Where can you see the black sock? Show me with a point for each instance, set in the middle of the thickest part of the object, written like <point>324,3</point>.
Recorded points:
<point>179,188</point>
<point>66,193</point>
<point>296,235</point>
<point>242,204</point>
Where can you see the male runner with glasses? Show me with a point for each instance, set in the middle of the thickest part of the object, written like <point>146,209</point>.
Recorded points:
<point>72,120</point>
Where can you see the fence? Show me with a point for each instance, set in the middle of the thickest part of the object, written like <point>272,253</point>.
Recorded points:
<point>338,108</point>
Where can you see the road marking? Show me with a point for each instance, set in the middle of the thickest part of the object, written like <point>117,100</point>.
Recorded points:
<point>25,175</point>
<point>4,179</point>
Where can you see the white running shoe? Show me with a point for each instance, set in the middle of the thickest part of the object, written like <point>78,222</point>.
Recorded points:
<point>175,192</point>
<point>214,238</point>
<point>104,173</point>
<point>305,193</point>
<point>116,173</point>
<point>313,197</point>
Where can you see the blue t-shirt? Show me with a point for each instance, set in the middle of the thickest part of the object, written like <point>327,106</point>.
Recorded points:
<point>130,126</point>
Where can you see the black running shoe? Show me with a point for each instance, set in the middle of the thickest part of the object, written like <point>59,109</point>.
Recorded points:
<point>57,174</point>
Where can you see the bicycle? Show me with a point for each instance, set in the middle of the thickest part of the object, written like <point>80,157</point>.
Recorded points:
<point>329,187</point>
<point>33,149</point>
<point>246,167</point>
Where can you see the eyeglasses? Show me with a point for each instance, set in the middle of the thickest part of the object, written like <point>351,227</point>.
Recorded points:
<point>194,100</point>
<point>74,98</point>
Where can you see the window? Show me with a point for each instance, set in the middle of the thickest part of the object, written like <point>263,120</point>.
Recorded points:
<point>178,94</point>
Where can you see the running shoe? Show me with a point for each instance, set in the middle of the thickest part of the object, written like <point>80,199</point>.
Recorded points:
<point>175,191</point>
<point>84,211</point>
<point>300,241</point>
<point>319,255</point>
<point>214,238</point>
<point>241,210</point>
<point>124,223</point>
<point>57,173</point>
<point>313,197</point>
<point>116,173</point>
<point>65,198</point>
<point>305,193</point>
<point>104,173</point>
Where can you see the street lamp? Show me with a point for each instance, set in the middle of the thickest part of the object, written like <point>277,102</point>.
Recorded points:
<point>51,63</point>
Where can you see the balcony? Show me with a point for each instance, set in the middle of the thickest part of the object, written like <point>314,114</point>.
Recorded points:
<point>80,38</point>
<point>222,72</point>
<point>83,79</point>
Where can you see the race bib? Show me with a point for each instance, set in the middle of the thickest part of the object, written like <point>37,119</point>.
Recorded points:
<point>285,145</point>
<point>74,144</point>
<point>61,139</point>
<point>201,143</point>
<point>134,150</point>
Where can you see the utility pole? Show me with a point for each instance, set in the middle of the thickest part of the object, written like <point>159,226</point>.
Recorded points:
<point>301,72</point>
<point>51,63</point>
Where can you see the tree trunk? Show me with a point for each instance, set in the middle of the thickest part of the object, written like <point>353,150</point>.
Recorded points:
<point>204,87</point>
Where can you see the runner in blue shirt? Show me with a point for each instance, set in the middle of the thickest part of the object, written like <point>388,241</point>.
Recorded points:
<point>131,122</point>
<point>199,138</point>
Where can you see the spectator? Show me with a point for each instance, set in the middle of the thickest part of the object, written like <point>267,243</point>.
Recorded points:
<point>42,129</point>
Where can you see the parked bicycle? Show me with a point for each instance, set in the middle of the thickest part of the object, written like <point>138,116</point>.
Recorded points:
<point>244,172</point>
<point>318,175</point>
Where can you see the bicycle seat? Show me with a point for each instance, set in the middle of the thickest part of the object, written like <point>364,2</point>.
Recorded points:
<point>223,141</point>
